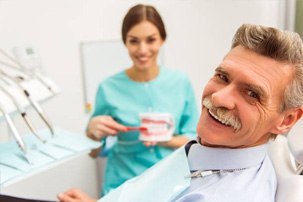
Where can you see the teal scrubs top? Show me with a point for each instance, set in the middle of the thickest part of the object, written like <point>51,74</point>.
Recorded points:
<point>124,99</point>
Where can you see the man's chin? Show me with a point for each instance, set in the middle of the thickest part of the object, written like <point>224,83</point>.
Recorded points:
<point>215,138</point>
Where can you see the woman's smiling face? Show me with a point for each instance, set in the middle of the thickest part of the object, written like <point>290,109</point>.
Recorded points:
<point>143,42</point>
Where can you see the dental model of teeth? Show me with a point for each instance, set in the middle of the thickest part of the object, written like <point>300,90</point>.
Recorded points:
<point>158,127</point>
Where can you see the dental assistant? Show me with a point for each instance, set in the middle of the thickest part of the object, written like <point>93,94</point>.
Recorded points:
<point>143,87</point>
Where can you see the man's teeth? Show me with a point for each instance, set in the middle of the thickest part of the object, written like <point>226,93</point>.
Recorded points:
<point>225,122</point>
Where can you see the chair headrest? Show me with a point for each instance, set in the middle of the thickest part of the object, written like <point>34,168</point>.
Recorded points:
<point>295,141</point>
<point>282,151</point>
<point>281,157</point>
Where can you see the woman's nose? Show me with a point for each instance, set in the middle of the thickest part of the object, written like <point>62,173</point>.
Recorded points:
<point>143,47</point>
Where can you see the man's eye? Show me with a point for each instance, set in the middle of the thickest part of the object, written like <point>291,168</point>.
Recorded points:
<point>222,77</point>
<point>253,94</point>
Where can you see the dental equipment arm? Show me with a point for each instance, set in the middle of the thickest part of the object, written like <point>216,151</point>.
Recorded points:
<point>23,69</point>
<point>21,110</point>
<point>11,80</point>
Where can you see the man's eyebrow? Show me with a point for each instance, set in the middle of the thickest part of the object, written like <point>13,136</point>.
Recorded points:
<point>221,70</point>
<point>258,89</point>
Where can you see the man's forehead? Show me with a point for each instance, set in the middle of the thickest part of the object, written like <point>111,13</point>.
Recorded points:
<point>245,59</point>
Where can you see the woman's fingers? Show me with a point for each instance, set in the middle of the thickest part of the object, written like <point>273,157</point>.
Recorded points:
<point>149,143</point>
<point>103,129</point>
<point>101,126</point>
<point>114,125</point>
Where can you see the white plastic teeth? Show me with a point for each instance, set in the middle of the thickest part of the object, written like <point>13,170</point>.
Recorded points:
<point>224,122</point>
<point>156,127</point>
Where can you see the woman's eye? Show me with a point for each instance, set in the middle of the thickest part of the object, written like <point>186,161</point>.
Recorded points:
<point>151,40</point>
<point>133,41</point>
<point>253,94</point>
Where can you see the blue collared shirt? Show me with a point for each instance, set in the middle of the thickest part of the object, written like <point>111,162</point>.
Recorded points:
<point>254,182</point>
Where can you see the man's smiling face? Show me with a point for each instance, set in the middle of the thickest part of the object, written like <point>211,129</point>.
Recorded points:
<point>241,104</point>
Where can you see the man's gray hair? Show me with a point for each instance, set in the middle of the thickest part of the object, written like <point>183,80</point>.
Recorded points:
<point>282,46</point>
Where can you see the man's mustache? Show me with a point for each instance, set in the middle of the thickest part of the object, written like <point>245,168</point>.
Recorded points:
<point>222,115</point>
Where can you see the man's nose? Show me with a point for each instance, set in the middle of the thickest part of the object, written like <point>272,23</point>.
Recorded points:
<point>225,97</point>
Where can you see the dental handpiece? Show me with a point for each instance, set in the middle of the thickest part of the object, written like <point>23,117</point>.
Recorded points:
<point>33,102</point>
<point>21,111</point>
<point>40,111</point>
<point>15,132</point>
<point>31,127</point>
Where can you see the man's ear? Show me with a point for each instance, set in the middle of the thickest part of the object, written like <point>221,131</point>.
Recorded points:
<point>289,119</point>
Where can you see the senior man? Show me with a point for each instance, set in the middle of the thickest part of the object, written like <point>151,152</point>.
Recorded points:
<point>256,93</point>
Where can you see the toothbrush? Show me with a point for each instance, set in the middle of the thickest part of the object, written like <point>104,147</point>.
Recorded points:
<point>142,129</point>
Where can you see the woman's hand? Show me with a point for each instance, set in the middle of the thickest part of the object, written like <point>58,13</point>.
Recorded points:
<point>102,126</point>
<point>75,195</point>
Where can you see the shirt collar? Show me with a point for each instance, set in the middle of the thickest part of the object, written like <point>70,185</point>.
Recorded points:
<point>211,158</point>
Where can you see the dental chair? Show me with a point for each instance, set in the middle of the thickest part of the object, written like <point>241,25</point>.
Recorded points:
<point>286,153</point>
